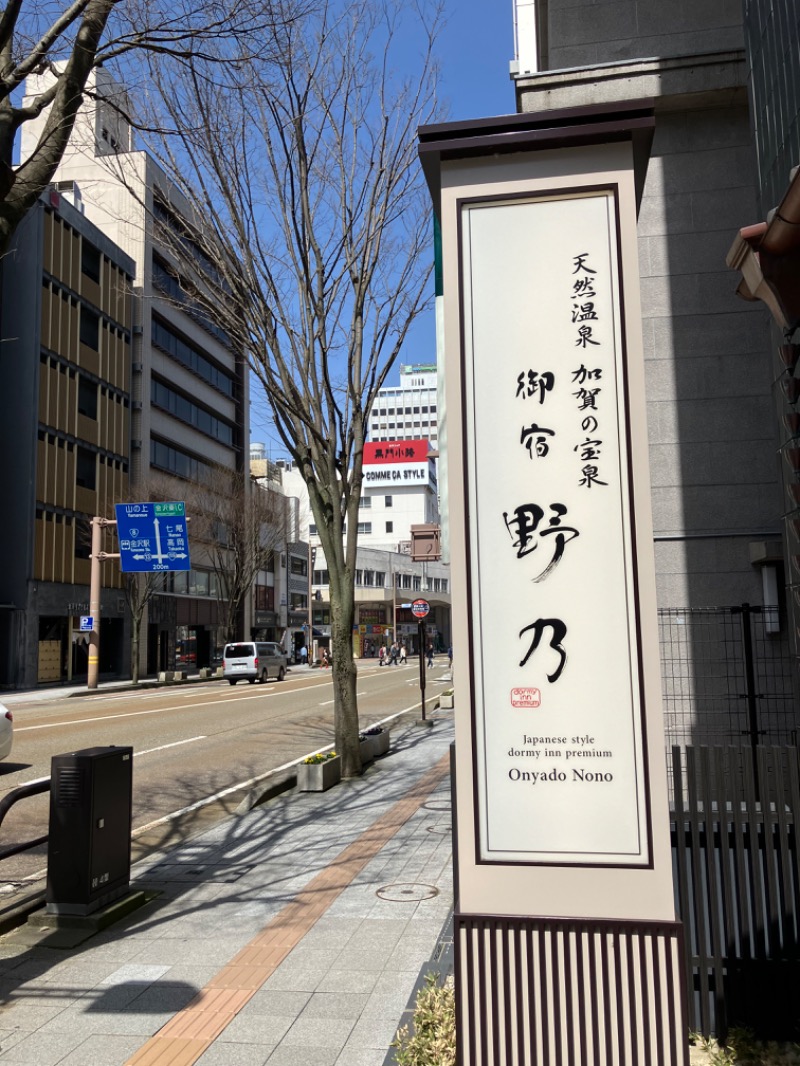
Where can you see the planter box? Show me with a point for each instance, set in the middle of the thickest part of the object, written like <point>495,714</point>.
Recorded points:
<point>319,776</point>
<point>446,701</point>
<point>380,743</point>
<point>366,751</point>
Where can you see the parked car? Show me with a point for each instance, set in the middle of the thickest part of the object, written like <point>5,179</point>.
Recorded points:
<point>252,661</point>
<point>6,731</point>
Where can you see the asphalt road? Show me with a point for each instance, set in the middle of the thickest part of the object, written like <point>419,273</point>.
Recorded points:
<point>199,749</point>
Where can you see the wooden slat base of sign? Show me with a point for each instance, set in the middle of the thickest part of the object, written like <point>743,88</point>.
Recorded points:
<point>536,991</point>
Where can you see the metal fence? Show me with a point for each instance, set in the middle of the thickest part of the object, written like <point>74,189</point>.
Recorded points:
<point>728,677</point>
<point>737,883</point>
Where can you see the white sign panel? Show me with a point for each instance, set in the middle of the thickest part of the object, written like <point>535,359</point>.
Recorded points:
<point>558,708</point>
<point>398,474</point>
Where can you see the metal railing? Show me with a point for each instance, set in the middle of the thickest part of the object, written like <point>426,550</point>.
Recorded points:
<point>34,788</point>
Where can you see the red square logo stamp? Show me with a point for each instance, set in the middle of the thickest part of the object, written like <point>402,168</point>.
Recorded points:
<point>526,697</point>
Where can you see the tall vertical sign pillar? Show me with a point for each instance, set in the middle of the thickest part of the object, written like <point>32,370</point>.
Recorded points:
<point>567,945</point>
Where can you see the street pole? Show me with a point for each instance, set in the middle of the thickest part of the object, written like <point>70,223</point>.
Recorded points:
<point>98,556</point>
<point>310,622</point>
<point>421,641</point>
<point>394,603</point>
<point>421,631</point>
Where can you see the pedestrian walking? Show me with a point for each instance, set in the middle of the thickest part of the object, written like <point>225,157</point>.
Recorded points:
<point>403,654</point>
<point>393,653</point>
<point>450,655</point>
<point>381,655</point>
<point>303,655</point>
<point>325,662</point>
<point>430,653</point>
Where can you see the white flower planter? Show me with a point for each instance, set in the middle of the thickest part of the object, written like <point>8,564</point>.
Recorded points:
<point>380,743</point>
<point>319,776</point>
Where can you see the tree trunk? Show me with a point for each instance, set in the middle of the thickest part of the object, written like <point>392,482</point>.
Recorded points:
<point>345,705</point>
<point>135,631</point>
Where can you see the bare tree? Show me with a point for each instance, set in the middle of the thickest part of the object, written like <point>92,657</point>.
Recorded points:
<point>139,589</point>
<point>67,39</point>
<point>237,526</point>
<point>305,173</point>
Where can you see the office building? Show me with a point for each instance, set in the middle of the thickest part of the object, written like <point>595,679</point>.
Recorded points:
<point>188,387</point>
<point>408,411</point>
<point>65,408</point>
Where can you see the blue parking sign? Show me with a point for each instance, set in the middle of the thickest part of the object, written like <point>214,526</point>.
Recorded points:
<point>152,537</point>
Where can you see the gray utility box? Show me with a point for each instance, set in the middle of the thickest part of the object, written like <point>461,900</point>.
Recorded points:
<point>89,846</point>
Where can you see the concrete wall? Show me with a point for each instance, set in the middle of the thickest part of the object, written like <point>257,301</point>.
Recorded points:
<point>582,34</point>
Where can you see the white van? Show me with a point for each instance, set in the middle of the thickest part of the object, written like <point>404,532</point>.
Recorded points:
<point>252,661</point>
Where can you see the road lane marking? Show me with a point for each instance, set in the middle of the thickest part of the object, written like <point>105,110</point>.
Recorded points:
<point>6,890</point>
<point>327,703</point>
<point>175,744</point>
<point>157,710</point>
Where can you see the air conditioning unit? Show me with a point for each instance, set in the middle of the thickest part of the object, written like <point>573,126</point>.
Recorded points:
<point>136,405</point>
<point>137,331</point>
<point>136,444</point>
<point>137,368</point>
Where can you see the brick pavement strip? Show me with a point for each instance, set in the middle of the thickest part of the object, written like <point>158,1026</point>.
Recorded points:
<point>190,1033</point>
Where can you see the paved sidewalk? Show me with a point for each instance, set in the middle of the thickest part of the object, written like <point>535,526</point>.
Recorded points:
<point>292,935</point>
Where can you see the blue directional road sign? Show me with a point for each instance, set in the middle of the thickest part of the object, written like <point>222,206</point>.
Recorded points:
<point>152,537</point>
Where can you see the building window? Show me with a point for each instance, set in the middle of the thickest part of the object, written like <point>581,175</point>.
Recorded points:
<point>87,397</point>
<point>365,501</point>
<point>168,400</point>
<point>365,527</point>
<point>265,598</point>
<point>86,468</point>
<point>298,601</point>
<point>187,355</point>
<point>312,529</point>
<point>90,260</point>
<point>90,328</point>
<point>83,535</point>
<point>298,565</point>
<point>321,577</point>
<point>390,527</point>
<point>387,501</point>
<point>177,462</point>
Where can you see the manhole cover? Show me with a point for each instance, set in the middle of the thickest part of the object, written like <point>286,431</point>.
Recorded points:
<point>440,829</point>
<point>437,805</point>
<point>407,893</point>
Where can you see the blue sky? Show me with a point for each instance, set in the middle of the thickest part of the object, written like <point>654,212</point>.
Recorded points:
<point>474,52</point>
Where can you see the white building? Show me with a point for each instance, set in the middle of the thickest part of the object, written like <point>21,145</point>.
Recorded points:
<point>399,491</point>
<point>189,392</point>
<point>408,411</point>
